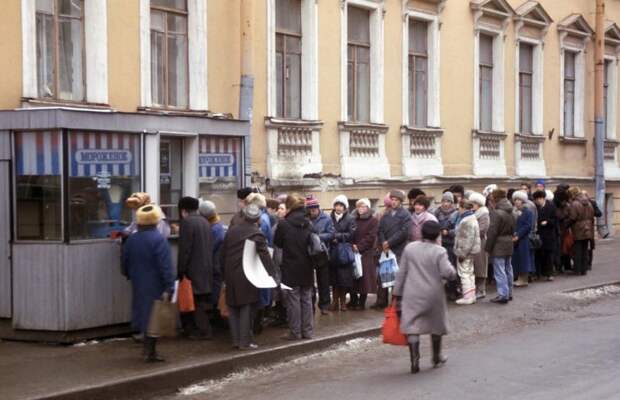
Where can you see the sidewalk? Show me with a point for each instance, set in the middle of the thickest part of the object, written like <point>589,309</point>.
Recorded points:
<point>114,368</point>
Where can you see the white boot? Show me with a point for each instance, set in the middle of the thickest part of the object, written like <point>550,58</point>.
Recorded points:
<point>466,300</point>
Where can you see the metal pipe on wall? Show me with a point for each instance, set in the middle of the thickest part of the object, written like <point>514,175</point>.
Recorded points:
<point>599,113</point>
<point>246,88</point>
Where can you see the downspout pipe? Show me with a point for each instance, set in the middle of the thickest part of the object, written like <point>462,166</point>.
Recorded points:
<point>246,88</point>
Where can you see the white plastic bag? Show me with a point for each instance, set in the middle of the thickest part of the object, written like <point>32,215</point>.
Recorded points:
<point>358,272</point>
<point>388,267</point>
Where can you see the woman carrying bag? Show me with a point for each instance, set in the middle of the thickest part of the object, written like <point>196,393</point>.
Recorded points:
<point>364,239</point>
<point>341,253</point>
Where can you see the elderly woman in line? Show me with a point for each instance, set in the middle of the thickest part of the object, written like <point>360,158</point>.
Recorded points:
<point>481,260</point>
<point>521,258</point>
<point>466,246</point>
<point>419,289</point>
<point>364,243</point>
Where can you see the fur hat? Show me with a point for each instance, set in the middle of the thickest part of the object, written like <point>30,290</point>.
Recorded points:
<point>478,198</point>
<point>312,202</point>
<point>244,192</point>
<point>364,201</point>
<point>149,214</point>
<point>189,203</point>
<point>252,212</point>
<point>519,195</point>
<point>489,189</point>
<point>256,198</point>
<point>414,193</point>
<point>447,196</point>
<point>467,193</point>
<point>294,201</point>
<point>399,194</point>
<point>498,194</point>
<point>137,200</point>
<point>207,208</point>
<point>574,191</point>
<point>342,199</point>
<point>430,230</point>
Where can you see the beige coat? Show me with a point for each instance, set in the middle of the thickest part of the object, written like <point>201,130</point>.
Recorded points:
<point>481,260</point>
<point>419,282</point>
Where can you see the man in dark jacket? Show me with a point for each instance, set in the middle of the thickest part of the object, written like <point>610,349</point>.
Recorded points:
<point>241,296</point>
<point>195,261</point>
<point>499,244</point>
<point>547,227</point>
<point>323,226</point>
<point>297,268</point>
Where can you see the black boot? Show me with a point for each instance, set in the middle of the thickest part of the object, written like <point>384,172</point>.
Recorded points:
<point>361,304</point>
<point>150,352</point>
<point>438,358</point>
<point>354,301</point>
<point>414,353</point>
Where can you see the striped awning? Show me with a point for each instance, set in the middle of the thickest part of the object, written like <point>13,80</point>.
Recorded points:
<point>92,154</point>
<point>219,157</point>
<point>38,153</point>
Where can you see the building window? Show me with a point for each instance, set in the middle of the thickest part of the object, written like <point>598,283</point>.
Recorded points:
<point>358,64</point>
<point>288,58</point>
<point>60,49</point>
<point>569,93</point>
<point>169,53</point>
<point>418,73</point>
<point>170,176</point>
<point>526,74</point>
<point>486,83</point>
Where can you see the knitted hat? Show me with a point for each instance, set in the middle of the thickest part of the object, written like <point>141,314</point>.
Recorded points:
<point>244,192</point>
<point>189,203</point>
<point>489,189</point>
<point>477,198</point>
<point>399,194</point>
<point>137,200</point>
<point>256,198</point>
<point>519,195</point>
<point>387,200</point>
<point>149,214</point>
<point>207,208</point>
<point>342,199</point>
<point>364,201</point>
<point>430,230</point>
<point>541,182</point>
<point>447,196</point>
<point>312,202</point>
<point>294,201</point>
<point>252,212</point>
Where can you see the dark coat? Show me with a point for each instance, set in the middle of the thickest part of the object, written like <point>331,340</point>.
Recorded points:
<point>501,228</point>
<point>547,232</point>
<point>365,237</point>
<point>196,253</point>
<point>146,256</point>
<point>239,290</point>
<point>522,259</point>
<point>581,215</point>
<point>292,237</point>
<point>447,221</point>
<point>324,227</point>
<point>339,274</point>
<point>394,228</point>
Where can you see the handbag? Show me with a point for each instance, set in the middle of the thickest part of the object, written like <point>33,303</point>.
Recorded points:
<point>343,253</point>
<point>358,270</point>
<point>221,304</point>
<point>316,250</point>
<point>535,242</point>
<point>388,267</point>
<point>185,296</point>
<point>568,241</point>
<point>163,319</point>
<point>391,327</point>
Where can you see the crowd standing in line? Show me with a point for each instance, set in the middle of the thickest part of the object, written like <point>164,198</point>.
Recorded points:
<point>446,251</point>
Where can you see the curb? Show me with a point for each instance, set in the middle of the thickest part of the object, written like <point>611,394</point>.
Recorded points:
<point>168,381</point>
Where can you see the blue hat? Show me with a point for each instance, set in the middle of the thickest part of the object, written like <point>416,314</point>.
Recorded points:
<point>541,182</point>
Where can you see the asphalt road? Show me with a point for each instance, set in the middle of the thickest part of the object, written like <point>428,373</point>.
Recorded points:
<point>573,358</point>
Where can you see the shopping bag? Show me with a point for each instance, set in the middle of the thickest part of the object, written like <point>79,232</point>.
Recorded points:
<point>185,296</point>
<point>163,319</point>
<point>342,253</point>
<point>221,303</point>
<point>391,328</point>
<point>568,241</point>
<point>357,267</point>
<point>388,267</point>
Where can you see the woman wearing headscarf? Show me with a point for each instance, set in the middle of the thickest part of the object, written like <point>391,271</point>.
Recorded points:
<point>364,243</point>
<point>341,273</point>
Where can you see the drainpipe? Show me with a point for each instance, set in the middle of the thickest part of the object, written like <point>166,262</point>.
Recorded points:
<point>246,88</point>
<point>599,113</point>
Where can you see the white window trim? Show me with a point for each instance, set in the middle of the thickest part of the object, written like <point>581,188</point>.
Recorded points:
<point>537,85</point>
<point>197,54</point>
<point>498,78</point>
<point>580,87</point>
<point>95,48</point>
<point>612,98</point>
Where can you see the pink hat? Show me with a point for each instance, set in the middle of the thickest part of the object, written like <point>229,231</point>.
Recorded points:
<point>312,202</point>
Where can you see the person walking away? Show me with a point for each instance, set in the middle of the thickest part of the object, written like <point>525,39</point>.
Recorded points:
<point>323,226</point>
<point>394,229</point>
<point>297,268</point>
<point>466,245</point>
<point>419,216</point>
<point>195,261</point>
<point>499,244</point>
<point>208,211</point>
<point>547,227</point>
<point>146,257</point>
<point>597,214</point>
<point>521,260</point>
<point>364,243</point>
<point>341,274</point>
<point>242,297</point>
<point>447,215</point>
<point>481,261</point>
<point>581,217</point>
<point>242,194</point>
<point>420,292</point>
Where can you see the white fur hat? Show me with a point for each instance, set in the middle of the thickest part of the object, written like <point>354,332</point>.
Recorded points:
<point>519,195</point>
<point>364,201</point>
<point>478,198</point>
<point>342,199</point>
<point>489,189</point>
<point>256,198</point>
<point>550,195</point>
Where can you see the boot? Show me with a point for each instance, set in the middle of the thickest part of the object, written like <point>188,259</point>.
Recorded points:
<point>414,354</point>
<point>361,304</point>
<point>438,358</point>
<point>522,281</point>
<point>343,300</point>
<point>150,352</point>
<point>336,300</point>
<point>352,304</point>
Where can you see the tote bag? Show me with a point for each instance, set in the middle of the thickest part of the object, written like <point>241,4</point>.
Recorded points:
<point>358,271</point>
<point>391,328</point>
<point>185,298</point>
<point>163,320</point>
<point>388,267</point>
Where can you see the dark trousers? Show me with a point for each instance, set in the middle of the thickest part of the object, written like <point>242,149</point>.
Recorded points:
<point>544,263</point>
<point>197,323</point>
<point>322,283</point>
<point>581,256</point>
<point>241,321</point>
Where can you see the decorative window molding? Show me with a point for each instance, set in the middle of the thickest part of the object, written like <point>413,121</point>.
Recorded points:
<point>610,152</point>
<point>491,17</point>
<point>575,33</point>
<point>612,54</point>
<point>197,54</point>
<point>362,150</point>
<point>95,48</point>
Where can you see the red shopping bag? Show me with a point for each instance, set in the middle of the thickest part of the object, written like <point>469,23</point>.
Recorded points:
<point>391,328</point>
<point>185,296</point>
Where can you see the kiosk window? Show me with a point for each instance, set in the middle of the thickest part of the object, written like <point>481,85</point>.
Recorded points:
<point>38,185</point>
<point>170,176</point>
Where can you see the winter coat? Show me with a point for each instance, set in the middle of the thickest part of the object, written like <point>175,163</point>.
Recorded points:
<point>534,218</point>
<point>339,274</point>
<point>467,241</point>
<point>423,266</point>
<point>265,227</point>
<point>292,238</point>
<point>218,231</point>
<point>501,228</point>
<point>394,228</point>
<point>146,257</point>
<point>447,221</point>
<point>481,261</point>
<point>521,259</point>
<point>324,227</point>
<point>417,220</point>
<point>239,290</point>
<point>548,231</point>
<point>195,258</point>
<point>365,237</point>
<point>581,215</point>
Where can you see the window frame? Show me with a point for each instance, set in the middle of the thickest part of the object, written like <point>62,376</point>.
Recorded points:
<point>491,68</point>
<point>413,56</point>
<point>521,74</point>
<point>283,73</point>
<point>573,104</point>
<point>352,115</point>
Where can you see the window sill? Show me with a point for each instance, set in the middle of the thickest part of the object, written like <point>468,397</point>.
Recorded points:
<point>485,134</point>
<point>529,137</point>
<point>573,140</point>
<point>36,102</point>
<point>185,112</point>
<point>612,142</point>
<point>428,131</point>
<point>356,126</point>
<point>275,122</point>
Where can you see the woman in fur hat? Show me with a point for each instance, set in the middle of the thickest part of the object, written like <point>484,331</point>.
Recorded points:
<point>341,274</point>
<point>364,243</point>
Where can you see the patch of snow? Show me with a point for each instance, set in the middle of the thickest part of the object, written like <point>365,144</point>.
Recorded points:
<point>595,293</point>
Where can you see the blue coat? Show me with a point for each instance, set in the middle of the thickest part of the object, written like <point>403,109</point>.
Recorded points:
<point>521,258</point>
<point>146,255</point>
<point>218,232</point>
<point>324,227</point>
